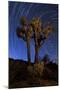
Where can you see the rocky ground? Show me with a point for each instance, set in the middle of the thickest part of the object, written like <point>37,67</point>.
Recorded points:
<point>20,76</point>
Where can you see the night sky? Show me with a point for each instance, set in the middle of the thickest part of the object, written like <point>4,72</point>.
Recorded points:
<point>47,13</point>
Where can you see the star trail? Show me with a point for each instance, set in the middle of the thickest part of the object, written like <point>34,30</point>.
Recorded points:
<point>47,13</point>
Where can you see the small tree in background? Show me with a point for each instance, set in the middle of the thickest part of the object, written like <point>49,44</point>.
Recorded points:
<point>46,59</point>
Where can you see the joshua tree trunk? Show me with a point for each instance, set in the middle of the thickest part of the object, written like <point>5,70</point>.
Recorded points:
<point>28,49</point>
<point>36,54</point>
<point>36,47</point>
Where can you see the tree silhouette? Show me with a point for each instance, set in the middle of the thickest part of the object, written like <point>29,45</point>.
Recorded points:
<point>46,59</point>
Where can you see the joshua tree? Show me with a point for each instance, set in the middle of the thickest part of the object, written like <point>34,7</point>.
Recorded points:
<point>25,33</point>
<point>33,30</point>
<point>40,35</point>
<point>36,26</point>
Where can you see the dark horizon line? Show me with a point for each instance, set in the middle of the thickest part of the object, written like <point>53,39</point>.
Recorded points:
<point>27,60</point>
